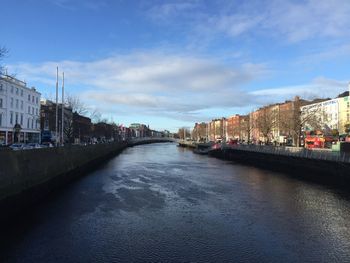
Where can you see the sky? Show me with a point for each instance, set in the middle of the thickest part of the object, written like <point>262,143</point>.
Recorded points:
<point>170,64</point>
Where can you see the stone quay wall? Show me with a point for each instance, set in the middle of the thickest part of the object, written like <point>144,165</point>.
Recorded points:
<point>315,169</point>
<point>28,175</point>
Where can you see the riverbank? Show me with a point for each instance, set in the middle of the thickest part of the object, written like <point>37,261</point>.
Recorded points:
<point>28,176</point>
<point>330,169</point>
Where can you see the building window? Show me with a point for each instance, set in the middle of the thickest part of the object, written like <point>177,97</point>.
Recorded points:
<point>11,117</point>
<point>36,111</point>
<point>11,89</point>
<point>21,104</point>
<point>1,87</point>
<point>33,99</point>
<point>28,123</point>
<point>16,103</point>
<point>32,123</point>
<point>16,118</point>
<point>22,119</point>
<point>21,92</point>
<point>11,102</point>
<point>28,109</point>
<point>33,110</point>
<point>0,119</point>
<point>0,103</point>
<point>17,91</point>
<point>37,100</point>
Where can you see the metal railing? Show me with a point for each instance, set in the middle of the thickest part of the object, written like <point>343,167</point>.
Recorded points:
<point>141,139</point>
<point>319,154</point>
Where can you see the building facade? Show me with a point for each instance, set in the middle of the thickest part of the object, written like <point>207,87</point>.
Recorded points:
<point>140,130</point>
<point>217,129</point>
<point>19,112</point>
<point>323,116</point>
<point>82,128</point>
<point>237,128</point>
<point>344,113</point>
<point>200,132</point>
<point>48,121</point>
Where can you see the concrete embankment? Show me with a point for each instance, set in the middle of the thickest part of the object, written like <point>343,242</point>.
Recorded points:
<point>26,176</point>
<point>315,169</point>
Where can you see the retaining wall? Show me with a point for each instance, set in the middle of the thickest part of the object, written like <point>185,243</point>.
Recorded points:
<point>28,175</point>
<point>319,170</point>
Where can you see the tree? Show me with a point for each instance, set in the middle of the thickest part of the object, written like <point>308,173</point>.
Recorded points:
<point>68,130</point>
<point>77,105</point>
<point>293,120</point>
<point>245,128</point>
<point>266,122</point>
<point>95,116</point>
<point>184,133</point>
<point>347,128</point>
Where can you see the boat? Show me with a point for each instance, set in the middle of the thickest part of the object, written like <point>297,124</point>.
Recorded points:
<point>203,148</point>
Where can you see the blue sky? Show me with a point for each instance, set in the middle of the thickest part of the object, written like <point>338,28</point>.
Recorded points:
<point>172,63</point>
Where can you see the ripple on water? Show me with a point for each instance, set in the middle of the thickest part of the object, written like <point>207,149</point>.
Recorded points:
<point>159,203</point>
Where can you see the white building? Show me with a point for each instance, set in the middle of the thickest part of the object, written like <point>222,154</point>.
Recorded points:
<point>325,113</point>
<point>19,111</point>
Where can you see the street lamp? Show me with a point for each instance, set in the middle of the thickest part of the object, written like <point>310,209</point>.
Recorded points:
<point>16,129</point>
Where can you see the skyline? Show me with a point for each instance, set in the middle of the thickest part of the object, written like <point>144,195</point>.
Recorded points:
<point>172,64</point>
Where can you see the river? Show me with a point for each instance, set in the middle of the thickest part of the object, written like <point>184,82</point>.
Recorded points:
<point>162,203</point>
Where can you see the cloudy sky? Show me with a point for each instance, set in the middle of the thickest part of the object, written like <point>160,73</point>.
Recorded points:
<point>172,63</point>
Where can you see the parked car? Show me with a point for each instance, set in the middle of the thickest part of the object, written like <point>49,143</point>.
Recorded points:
<point>33,145</point>
<point>17,146</point>
<point>46,145</point>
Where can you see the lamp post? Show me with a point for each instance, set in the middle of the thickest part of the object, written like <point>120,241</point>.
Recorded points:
<point>16,129</point>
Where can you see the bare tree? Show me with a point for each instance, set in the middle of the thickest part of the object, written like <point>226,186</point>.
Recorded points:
<point>266,122</point>
<point>76,104</point>
<point>245,128</point>
<point>68,130</point>
<point>199,132</point>
<point>293,121</point>
<point>95,116</point>
<point>184,133</point>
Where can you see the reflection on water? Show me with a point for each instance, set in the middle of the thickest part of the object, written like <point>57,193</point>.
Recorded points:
<point>163,203</point>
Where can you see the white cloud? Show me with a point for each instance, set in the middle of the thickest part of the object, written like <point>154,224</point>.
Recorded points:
<point>77,4</point>
<point>309,19</point>
<point>156,82</point>
<point>289,20</point>
<point>338,51</point>
<point>180,87</point>
<point>318,88</point>
<point>165,10</point>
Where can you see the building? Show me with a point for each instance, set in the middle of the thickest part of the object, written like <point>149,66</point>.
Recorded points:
<point>200,132</point>
<point>344,114</point>
<point>217,129</point>
<point>82,128</point>
<point>323,116</point>
<point>19,112</point>
<point>237,128</point>
<point>105,132</point>
<point>278,123</point>
<point>48,121</point>
<point>139,130</point>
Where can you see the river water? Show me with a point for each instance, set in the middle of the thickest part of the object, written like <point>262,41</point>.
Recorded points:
<point>162,203</point>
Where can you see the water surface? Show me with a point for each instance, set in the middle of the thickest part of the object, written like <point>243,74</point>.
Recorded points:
<point>163,203</point>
